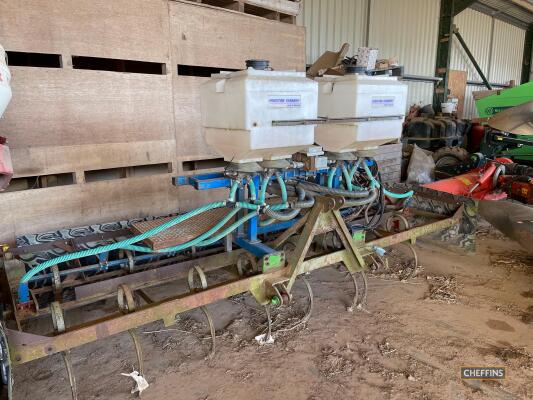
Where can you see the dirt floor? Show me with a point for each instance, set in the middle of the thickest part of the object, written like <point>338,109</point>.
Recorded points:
<point>408,342</point>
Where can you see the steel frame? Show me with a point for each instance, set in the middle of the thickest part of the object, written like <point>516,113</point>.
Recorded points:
<point>448,10</point>
<point>323,217</point>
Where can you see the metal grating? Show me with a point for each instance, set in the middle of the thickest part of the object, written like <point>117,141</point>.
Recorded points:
<point>182,232</point>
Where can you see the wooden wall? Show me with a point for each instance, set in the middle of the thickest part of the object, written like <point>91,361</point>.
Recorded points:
<point>66,120</point>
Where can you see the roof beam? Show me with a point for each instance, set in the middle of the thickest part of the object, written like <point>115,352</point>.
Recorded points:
<point>502,16</point>
<point>528,52</point>
<point>461,5</point>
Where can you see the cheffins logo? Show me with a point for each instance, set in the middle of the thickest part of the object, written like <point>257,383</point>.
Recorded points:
<point>483,373</point>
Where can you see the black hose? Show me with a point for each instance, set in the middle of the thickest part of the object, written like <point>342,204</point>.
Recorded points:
<point>287,215</point>
<point>361,202</point>
<point>309,186</point>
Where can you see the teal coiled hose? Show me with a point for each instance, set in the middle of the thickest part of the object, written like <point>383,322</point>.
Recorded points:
<point>375,184</point>
<point>114,246</point>
<point>190,243</point>
<point>331,175</point>
<point>347,178</point>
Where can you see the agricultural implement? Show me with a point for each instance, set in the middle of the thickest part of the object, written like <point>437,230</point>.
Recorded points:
<point>290,209</point>
<point>261,258</point>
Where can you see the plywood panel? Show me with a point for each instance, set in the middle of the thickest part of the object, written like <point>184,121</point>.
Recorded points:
<point>190,140</point>
<point>41,210</point>
<point>66,120</point>
<point>457,86</point>
<point>125,29</point>
<point>61,107</point>
<point>46,160</point>
<point>219,38</point>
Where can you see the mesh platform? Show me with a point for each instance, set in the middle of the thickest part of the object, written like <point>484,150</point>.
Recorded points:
<point>182,232</point>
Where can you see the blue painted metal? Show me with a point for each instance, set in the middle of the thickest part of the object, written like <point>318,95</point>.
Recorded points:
<point>258,248</point>
<point>24,293</point>
<point>208,181</point>
<point>281,226</point>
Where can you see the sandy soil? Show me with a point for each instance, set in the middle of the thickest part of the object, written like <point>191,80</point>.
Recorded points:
<point>408,342</point>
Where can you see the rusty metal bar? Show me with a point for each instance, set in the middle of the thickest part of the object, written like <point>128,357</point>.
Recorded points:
<point>26,347</point>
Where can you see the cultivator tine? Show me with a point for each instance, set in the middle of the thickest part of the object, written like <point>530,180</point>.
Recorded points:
<point>268,336</point>
<point>70,372</point>
<point>126,304</point>
<point>310,295</point>
<point>360,294</point>
<point>56,283</point>
<point>415,258</point>
<point>196,270</point>
<point>59,327</point>
<point>138,350</point>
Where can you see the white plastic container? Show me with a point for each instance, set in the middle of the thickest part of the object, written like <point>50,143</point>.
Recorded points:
<point>238,109</point>
<point>5,79</point>
<point>360,96</point>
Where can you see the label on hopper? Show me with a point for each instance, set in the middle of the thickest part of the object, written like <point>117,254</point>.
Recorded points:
<point>382,101</point>
<point>285,101</point>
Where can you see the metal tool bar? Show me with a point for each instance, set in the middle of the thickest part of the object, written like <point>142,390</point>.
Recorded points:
<point>321,121</point>
<point>27,347</point>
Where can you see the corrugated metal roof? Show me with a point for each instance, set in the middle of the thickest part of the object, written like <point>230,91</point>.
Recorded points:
<point>506,10</point>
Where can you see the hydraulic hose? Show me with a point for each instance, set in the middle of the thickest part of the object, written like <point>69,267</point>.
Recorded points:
<point>228,230</point>
<point>264,185</point>
<point>233,191</point>
<point>361,202</point>
<point>251,188</point>
<point>376,184</point>
<point>283,188</point>
<point>313,187</point>
<point>354,168</point>
<point>347,178</point>
<point>331,175</point>
<point>23,296</point>
<point>190,243</point>
<point>286,216</point>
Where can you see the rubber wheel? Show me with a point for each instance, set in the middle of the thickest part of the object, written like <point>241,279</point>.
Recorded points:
<point>449,156</point>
